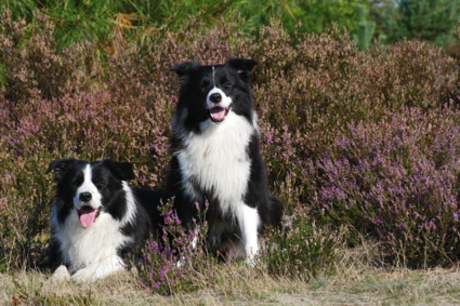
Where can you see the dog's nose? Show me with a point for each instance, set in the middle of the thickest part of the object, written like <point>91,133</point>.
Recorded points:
<point>85,196</point>
<point>215,97</point>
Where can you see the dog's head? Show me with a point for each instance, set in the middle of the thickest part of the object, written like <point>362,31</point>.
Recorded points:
<point>91,188</point>
<point>212,92</point>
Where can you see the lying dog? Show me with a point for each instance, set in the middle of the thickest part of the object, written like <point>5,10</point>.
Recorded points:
<point>97,220</point>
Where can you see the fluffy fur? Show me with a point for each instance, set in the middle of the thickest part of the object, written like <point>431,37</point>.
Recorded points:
<point>215,156</point>
<point>97,220</point>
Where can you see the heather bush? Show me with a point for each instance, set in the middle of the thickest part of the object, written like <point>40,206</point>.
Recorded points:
<point>57,105</point>
<point>362,139</point>
<point>398,182</point>
<point>178,261</point>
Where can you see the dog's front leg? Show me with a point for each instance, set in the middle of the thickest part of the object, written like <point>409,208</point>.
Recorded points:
<point>249,222</point>
<point>99,269</point>
<point>61,274</point>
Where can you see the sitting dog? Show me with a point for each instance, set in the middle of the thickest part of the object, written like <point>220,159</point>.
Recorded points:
<point>215,157</point>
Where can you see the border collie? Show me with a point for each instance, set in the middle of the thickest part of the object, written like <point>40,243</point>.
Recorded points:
<point>215,157</point>
<point>97,219</point>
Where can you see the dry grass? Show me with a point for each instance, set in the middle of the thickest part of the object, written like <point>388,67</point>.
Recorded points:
<point>357,282</point>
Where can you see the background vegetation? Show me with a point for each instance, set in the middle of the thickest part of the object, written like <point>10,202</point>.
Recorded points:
<point>361,145</point>
<point>147,22</point>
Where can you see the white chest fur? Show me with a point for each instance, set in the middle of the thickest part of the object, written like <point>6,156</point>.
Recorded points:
<point>217,160</point>
<point>85,246</point>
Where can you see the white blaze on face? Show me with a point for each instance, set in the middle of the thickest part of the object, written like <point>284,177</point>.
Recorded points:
<point>225,100</point>
<point>87,211</point>
<point>214,76</point>
<point>217,101</point>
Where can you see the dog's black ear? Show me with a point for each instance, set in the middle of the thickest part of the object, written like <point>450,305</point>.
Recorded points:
<point>123,170</point>
<point>60,167</point>
<point>242,66</point>
<point>184,69</point>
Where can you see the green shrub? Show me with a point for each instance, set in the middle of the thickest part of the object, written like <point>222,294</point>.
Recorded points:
<point>304,251</point>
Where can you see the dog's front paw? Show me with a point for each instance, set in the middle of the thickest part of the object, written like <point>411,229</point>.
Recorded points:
<point>84,275</point>
<point>253,257</point>
<point>98,270</point>
<point>252,261</point>
<point>60,275</point>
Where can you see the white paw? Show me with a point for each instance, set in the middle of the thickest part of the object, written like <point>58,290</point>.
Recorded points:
<point>98,270</point>
<point>84,275</point>
<point>253,256</point>
<point>252,260</point>
<point>61,274</point>
<point>180,262</point>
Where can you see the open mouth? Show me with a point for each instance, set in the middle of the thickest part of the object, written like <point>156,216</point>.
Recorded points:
<point>218,114</point>
<point>88,215</point>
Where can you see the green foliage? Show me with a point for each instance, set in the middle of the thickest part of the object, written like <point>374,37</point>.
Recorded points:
<point>112,23</point>
<point>109,23</point>
<point>304,251</point>
<point>429,20</point>
<point>318,15</point>
<point>365,29</point>
<point>377,11</point>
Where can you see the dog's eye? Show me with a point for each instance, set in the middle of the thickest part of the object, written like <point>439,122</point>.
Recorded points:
<point>204,84</point>
<point>100,183</point>
<point>225,82</point>
<point>75,183</point>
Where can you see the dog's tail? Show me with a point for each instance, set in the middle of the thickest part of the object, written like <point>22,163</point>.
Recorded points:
<point>276,211</point>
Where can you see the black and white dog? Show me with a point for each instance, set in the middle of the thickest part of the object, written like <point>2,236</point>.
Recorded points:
<point>97,219</point>
<point>215,157</point>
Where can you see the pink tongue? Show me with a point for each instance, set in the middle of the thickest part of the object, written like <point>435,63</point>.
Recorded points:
<point>218,113</point>
<point>87,216</point>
